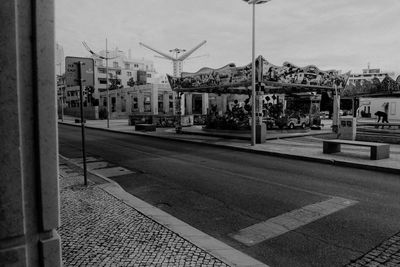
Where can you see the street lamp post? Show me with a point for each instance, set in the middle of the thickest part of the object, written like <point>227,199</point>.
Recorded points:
<point>253,71</point>
<point>107,89</point>
<point>108,93</point>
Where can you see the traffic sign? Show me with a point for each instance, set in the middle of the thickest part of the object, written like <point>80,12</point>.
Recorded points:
<point>72,71</point>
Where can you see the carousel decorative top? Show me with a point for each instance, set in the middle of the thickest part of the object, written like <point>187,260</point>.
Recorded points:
<point>374,87</point>
<point>234,79</point>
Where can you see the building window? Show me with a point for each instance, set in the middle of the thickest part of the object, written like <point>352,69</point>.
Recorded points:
<point>102,80</point>
<point>115,64</point>
<point>123,104</point>
<point>101,70</point>
<point>129,73</point>
<point>118,72</point>
<point>160,103</point>
<point>147,102</point>
<point>148,75</point>
<point>135,106</point>
<point>113,102</point>
<point>136,65</point>
<point>393,108</point>
<point>127,66</point>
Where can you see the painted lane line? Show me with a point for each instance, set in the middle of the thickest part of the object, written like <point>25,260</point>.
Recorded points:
<point>286,222</point>
<point>110,172</point>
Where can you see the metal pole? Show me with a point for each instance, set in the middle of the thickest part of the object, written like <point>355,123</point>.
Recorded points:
<point>62,103</point>
<point>62,95</point>
<point>108,95</point>
<point>253,83</point>
<point>82,121</point>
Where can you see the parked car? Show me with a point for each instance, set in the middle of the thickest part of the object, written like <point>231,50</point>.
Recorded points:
<point>301,121</point>
<point>293,122</point>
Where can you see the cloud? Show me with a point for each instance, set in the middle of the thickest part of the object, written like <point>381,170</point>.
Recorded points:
<point>341,34</point>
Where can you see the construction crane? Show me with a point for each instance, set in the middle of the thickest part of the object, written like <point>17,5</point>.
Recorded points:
<point>176,58</point>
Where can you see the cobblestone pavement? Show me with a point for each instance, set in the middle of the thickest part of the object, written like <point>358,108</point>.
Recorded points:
<point>386,254</point>
<point>99,230</point>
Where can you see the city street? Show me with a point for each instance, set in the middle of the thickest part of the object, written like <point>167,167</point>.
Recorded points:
<point>222,192</point>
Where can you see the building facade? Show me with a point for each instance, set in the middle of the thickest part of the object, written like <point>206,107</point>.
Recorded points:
<point>370,105</point>
<point>147,99</point>
<point>123,71</point>
<point>368,75</point>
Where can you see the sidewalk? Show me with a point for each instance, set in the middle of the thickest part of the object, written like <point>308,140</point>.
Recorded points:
<point>102,225</point>
<point>302,145</point>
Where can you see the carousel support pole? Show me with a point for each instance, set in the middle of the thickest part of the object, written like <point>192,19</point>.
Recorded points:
<point>336,109</point>
<point>178,124</point>
<point>261,128</point>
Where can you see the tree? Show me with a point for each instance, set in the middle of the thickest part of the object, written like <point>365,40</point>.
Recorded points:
<point>131,82</point>
<point>114,82</point>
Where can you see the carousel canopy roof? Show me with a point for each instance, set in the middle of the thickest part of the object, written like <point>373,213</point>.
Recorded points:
<point>287,78</point>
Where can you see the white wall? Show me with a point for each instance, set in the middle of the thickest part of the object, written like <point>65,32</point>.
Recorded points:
<point>378,104</point>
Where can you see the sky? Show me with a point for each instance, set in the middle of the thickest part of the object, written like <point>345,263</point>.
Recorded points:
<point>331,34</point>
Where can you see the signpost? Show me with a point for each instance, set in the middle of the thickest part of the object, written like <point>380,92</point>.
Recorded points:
<point>80,72</point>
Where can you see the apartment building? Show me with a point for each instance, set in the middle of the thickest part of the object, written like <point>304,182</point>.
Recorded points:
<point>123,71</point>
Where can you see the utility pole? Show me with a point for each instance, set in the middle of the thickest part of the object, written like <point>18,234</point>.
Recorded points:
<point>107,89</point>
<point>82,121</point>
<point>108,93</point>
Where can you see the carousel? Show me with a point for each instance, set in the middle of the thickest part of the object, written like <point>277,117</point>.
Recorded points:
<point>282,93</point>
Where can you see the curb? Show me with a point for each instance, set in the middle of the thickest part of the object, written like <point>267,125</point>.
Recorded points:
<point>340,163</point>
<point>295,135</point>
<point>214,247</point>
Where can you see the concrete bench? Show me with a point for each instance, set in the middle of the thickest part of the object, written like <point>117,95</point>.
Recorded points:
<point>378,150</point>
<point>145,127</point>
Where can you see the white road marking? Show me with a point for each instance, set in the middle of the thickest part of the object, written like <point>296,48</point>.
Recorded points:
<point>97,166</point>
<point>110,172</point>
<point>286,222</point>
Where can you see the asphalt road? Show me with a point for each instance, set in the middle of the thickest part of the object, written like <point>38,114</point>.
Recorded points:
<point>221,191</point>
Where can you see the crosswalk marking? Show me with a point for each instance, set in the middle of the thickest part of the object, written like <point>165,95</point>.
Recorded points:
<point>286,222</point>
